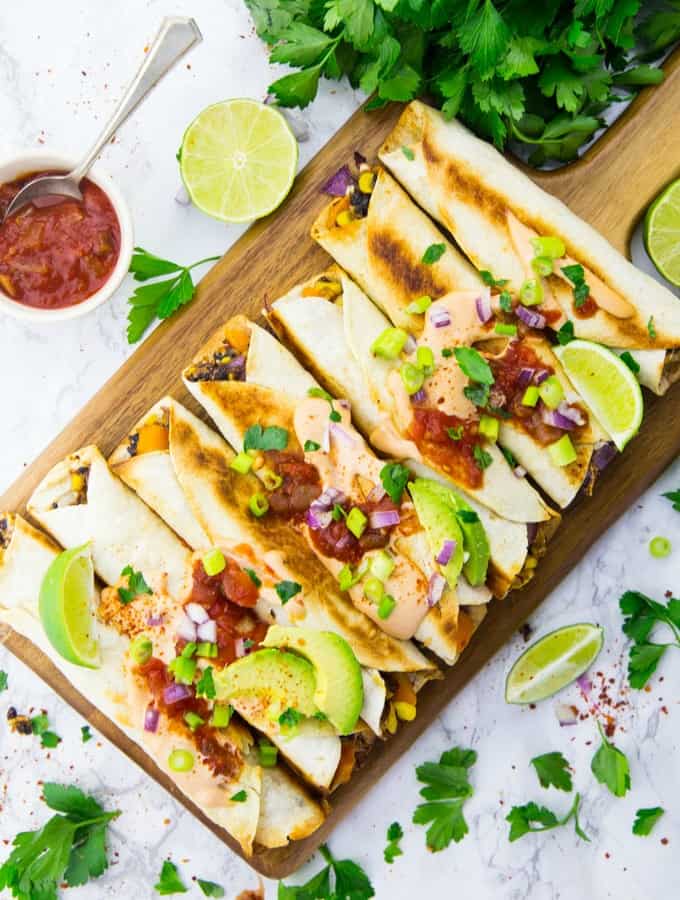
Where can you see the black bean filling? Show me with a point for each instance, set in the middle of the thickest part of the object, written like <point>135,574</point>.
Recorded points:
<point>226,364</point>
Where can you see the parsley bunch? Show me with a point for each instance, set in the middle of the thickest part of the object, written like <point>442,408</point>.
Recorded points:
<point>540,74</point>
<point>642,615</point>
<point>70,847</point>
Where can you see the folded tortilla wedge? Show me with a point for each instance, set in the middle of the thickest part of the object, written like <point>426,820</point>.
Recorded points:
<point>25,554</point>
<point>493,211</point>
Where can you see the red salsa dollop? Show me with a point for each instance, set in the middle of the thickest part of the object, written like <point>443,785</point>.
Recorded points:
<point>337,541</point>
<point>449,441</point>
<point>58,254</point>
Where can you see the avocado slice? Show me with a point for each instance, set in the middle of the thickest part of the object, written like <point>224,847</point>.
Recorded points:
<point>339,685</point>
<point>475,542</point>
<point>436,510</point>
<point>280,679</point>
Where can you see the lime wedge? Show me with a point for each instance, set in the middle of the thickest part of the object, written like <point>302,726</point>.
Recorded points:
<point>607,386</point>
<point>662,232</point>
<point>553,662</point>
<point>66,601</point>
<point>238,160</point>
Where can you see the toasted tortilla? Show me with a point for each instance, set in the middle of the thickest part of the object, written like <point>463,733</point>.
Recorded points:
<point>468,186</point>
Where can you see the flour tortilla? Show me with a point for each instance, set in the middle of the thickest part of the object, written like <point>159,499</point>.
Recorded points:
<point>219,497</point>
<point>468,186</point>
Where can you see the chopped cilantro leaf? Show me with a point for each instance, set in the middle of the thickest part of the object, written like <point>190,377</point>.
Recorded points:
<point>85,733</point>
<point>136,585</point>
<point>205,687</point>
<point>447,352</point>
<point>290,719</point>
<point>566,333</point>
<point>481,457</point>
<point>169,881</point>
<point>239,797</point>
<point>505,301</point>
<point>287,590</point>
<point>394,477</point>
<point>334,415</point>
<point>674,497</point>
<point>433,253</point>
<point>474,365</point>
<point>490,281</point>
<point>394,834</point>
<point>580,289</point>
<point>270,438</point>
<point>553,771</point>
<point>646,819</point>
<point>311,446</point>
<point>254,577</point>
<point>610,767</point>
<point>532,818</point>
<point>408,153</point>
<point>210,888</point>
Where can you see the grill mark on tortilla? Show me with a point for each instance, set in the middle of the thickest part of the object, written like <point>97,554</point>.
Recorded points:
<point>409,277</point>
<point>252,404</point>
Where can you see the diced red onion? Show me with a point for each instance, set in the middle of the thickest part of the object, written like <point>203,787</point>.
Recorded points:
<point>151,717</point>
<point>174,693</point>
<point>584,683</point>
<point>207,631</point>
<point>155,620</point>
<point>540,376</point>
<point>338,183</point>
<point>566,714</point>
<point>384,518</point>
<point>318,519</point>
<point>328,499</point>
<point>419,397</point>
<point>530,317</point>
<point>603,455</point>
<point>519,471</point>
<point>344,403</point>
<point>440,318</point>
<point>186,629</point>
<point>345,540</point>
<point>376,494</point>
<point>446,552</point>
<point>532,529</point>
<point>237,364</point>
<point>524,377</point>
<point>337,431</point>
<point>571,412</point>
<point>197,613</point>
<point>435,589</point>
<point>555,418</point>
<point>410,345</point>
<point>483,307</point>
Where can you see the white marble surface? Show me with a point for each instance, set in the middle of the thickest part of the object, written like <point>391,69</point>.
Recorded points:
<point>62,66</point>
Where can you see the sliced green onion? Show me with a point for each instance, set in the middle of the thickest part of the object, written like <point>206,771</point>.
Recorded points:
<point>193,720</point>
<point>542,265</point>
<point>531,292</point>
<point>382,565</point>
<point>505,328</point>
<point>183,669</point>
<point>390,343</point>
<point>141,649</point>
<point>386,606</point>
<point>488,426</point>
<point>418,307</point>
<point>562,452</point>
<point>181,761</point>
<point>373,589</point>
<point>268,755</point>
<point>242,463</point>
<point>551,392</point>
<point>531,396</point>
<point>221,716</point>
<point>660,547</point>
<point>207,650</point>
<point>214,562</point>
<point>258,505</point>
<point>345,577</point>
<point>412,376</point>
<point>189,650</point>
<point>425,360</point>
<point>356,522</point>
<point>550,246</point>
<point>270,479</point>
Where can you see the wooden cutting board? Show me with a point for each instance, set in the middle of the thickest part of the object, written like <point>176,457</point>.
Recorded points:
<point>610,187</point>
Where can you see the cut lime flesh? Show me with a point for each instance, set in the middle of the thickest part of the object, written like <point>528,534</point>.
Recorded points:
<point>66,597</point>
<point>607,386</point>
<point>553,662</point>
<point>662,232</point>
<point>238,160</point>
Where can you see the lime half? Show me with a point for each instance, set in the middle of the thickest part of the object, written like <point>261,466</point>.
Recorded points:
<point>553,662</point>
<point>662,232</point>
<point>66,602</point>
<point>238,160</point>
<point>608,387</point>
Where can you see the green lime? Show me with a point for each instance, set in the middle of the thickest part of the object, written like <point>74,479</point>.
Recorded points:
<point>662,232</point>
<point>66,601</point>
<point>608,387</point>
<point>553,662</point>
<point>238,160</point>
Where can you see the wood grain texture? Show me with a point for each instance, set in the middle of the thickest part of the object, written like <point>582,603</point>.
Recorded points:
<point>610,188</point>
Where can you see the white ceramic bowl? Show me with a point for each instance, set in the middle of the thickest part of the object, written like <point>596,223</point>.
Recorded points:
<point>40,161</point>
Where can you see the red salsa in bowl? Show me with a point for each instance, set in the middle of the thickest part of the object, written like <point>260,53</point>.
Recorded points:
<point>61,252</point>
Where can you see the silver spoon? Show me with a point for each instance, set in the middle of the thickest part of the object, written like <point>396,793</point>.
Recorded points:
<point>175,37</point>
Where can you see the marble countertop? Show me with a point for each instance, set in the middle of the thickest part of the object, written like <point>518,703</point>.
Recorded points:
<point>59,80</point>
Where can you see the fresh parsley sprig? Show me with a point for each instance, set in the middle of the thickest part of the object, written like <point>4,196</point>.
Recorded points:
<point>70,847</point>
<point>447,787</point>
<point>351,882</point>
<point>610,766</point>
<point>642,615</point>
<point>162,298</point>
<point>646,819</point>
<point>674,497</point>
<point>553,771</point>
<point>394,835</point>
<point>135,587</point>
<point>169,881</point>
<point>532,818</point>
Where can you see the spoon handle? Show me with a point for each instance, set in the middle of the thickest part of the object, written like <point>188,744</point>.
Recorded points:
<point>175,37</point>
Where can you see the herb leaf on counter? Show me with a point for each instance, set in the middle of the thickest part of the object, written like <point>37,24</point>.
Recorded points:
<point>394,834</point>
<point>3,681</point>
<point>610,767</point>
<point>162,298</point>
<point>641,616</point>
<point>532,818</point>
<point>70,847</point>
<point>447,787</point>
<point>210,888</point>
<point>169,881</point>
<point>646,819</point>
<point>553,771</point>
<point>351,882</point>
<point>673,496</point>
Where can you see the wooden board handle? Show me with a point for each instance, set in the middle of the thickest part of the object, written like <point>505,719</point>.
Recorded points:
<point>627,167</point>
